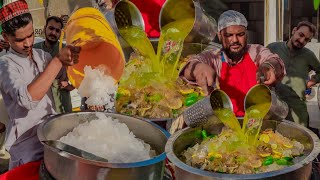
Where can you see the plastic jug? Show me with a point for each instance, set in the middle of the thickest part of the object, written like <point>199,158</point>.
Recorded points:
<point>88,28</point>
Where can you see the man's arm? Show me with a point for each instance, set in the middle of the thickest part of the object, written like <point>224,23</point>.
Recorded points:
<point>315,65</point>
<point>201,69</point>
<point>4,45</point>
<point>269,65</point>
<point>38,88</point>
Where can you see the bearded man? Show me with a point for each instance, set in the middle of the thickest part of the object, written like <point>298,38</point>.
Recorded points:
<point>298,61</point>
<point>60,86</point>
<point>236,67</point>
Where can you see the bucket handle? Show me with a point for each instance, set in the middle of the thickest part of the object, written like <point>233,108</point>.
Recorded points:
<point>90,16</point>
<point>76,41</point>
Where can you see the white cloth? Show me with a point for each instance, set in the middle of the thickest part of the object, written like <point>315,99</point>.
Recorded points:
<point>16,73</point>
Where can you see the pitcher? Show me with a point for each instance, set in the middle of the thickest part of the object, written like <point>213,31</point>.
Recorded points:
<point>204,28</point>
<point>263,94</point>
<point>123,14</point>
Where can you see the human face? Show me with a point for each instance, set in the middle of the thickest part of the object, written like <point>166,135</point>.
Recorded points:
<point>300,37</point>
<point>234,41</point>
<point>53,31</point>
<point>23,40</point>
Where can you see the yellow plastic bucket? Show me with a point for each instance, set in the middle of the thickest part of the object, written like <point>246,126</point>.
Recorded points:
<point>88,28</point>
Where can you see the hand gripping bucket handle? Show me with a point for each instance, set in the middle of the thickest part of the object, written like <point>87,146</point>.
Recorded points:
<point>88,28</point>
<point>261,94</point>
<point>198,114</point>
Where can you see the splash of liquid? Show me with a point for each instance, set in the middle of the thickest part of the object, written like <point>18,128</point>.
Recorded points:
<point>165,62</point>
<point>252,122</point>
<point>227,117</point>
<point>151,78</point>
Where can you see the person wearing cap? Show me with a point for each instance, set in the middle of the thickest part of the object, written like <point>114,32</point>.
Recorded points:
<point>26,75</point>
<point>298,61</point>
<point>236,67</point>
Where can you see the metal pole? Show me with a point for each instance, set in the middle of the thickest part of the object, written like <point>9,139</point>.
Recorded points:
<point>317,25</point>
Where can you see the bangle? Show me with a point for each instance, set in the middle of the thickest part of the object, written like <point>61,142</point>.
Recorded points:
<point>193,67</point>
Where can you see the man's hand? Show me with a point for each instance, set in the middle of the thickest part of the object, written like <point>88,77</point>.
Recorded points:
<point>65,85</point>
<point>96,108</point>
<point>310,83</point>
<point>203,74</point>
<point>266,74</point>
<point>69,55</point>
<point>4,45</point>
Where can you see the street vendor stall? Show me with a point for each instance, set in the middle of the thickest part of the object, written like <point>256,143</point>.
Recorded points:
<point>147,90</point>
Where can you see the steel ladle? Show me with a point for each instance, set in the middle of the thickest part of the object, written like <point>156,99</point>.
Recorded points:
<point>73,150</point>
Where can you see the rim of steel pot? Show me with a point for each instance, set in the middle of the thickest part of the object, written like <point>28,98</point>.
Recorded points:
<point>177,162</point>
<point>148,162</point>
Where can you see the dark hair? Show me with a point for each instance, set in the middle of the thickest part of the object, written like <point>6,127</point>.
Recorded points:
<point>11,26</point>
<point>312,28</point>
<point>56,19</point>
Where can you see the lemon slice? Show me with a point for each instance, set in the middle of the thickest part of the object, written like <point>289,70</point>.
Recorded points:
<point>275,156</point>
<point>124,91</point>
<point>210,154</point>
<point>186,90</point>
<point>276,152</point>
<point>174,103</point>
<point>256,163</point>
<point>201,91</point>
<point>288,145</point>
<point>274,146</point>
<point>265,138</point>
<point>265,154</point>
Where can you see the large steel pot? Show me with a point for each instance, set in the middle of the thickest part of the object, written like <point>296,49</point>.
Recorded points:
<point>62,165</point>
<point>302,168</point>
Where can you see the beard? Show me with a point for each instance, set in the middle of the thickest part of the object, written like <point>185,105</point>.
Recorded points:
<point>235,56</point>
<point>296,47</point>
<point>52,40</point>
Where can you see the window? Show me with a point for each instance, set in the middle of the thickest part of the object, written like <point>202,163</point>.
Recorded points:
<point>296,11</point>
<point>253,10</point>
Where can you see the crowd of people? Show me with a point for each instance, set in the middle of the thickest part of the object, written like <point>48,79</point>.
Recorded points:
<point>34,82</point>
